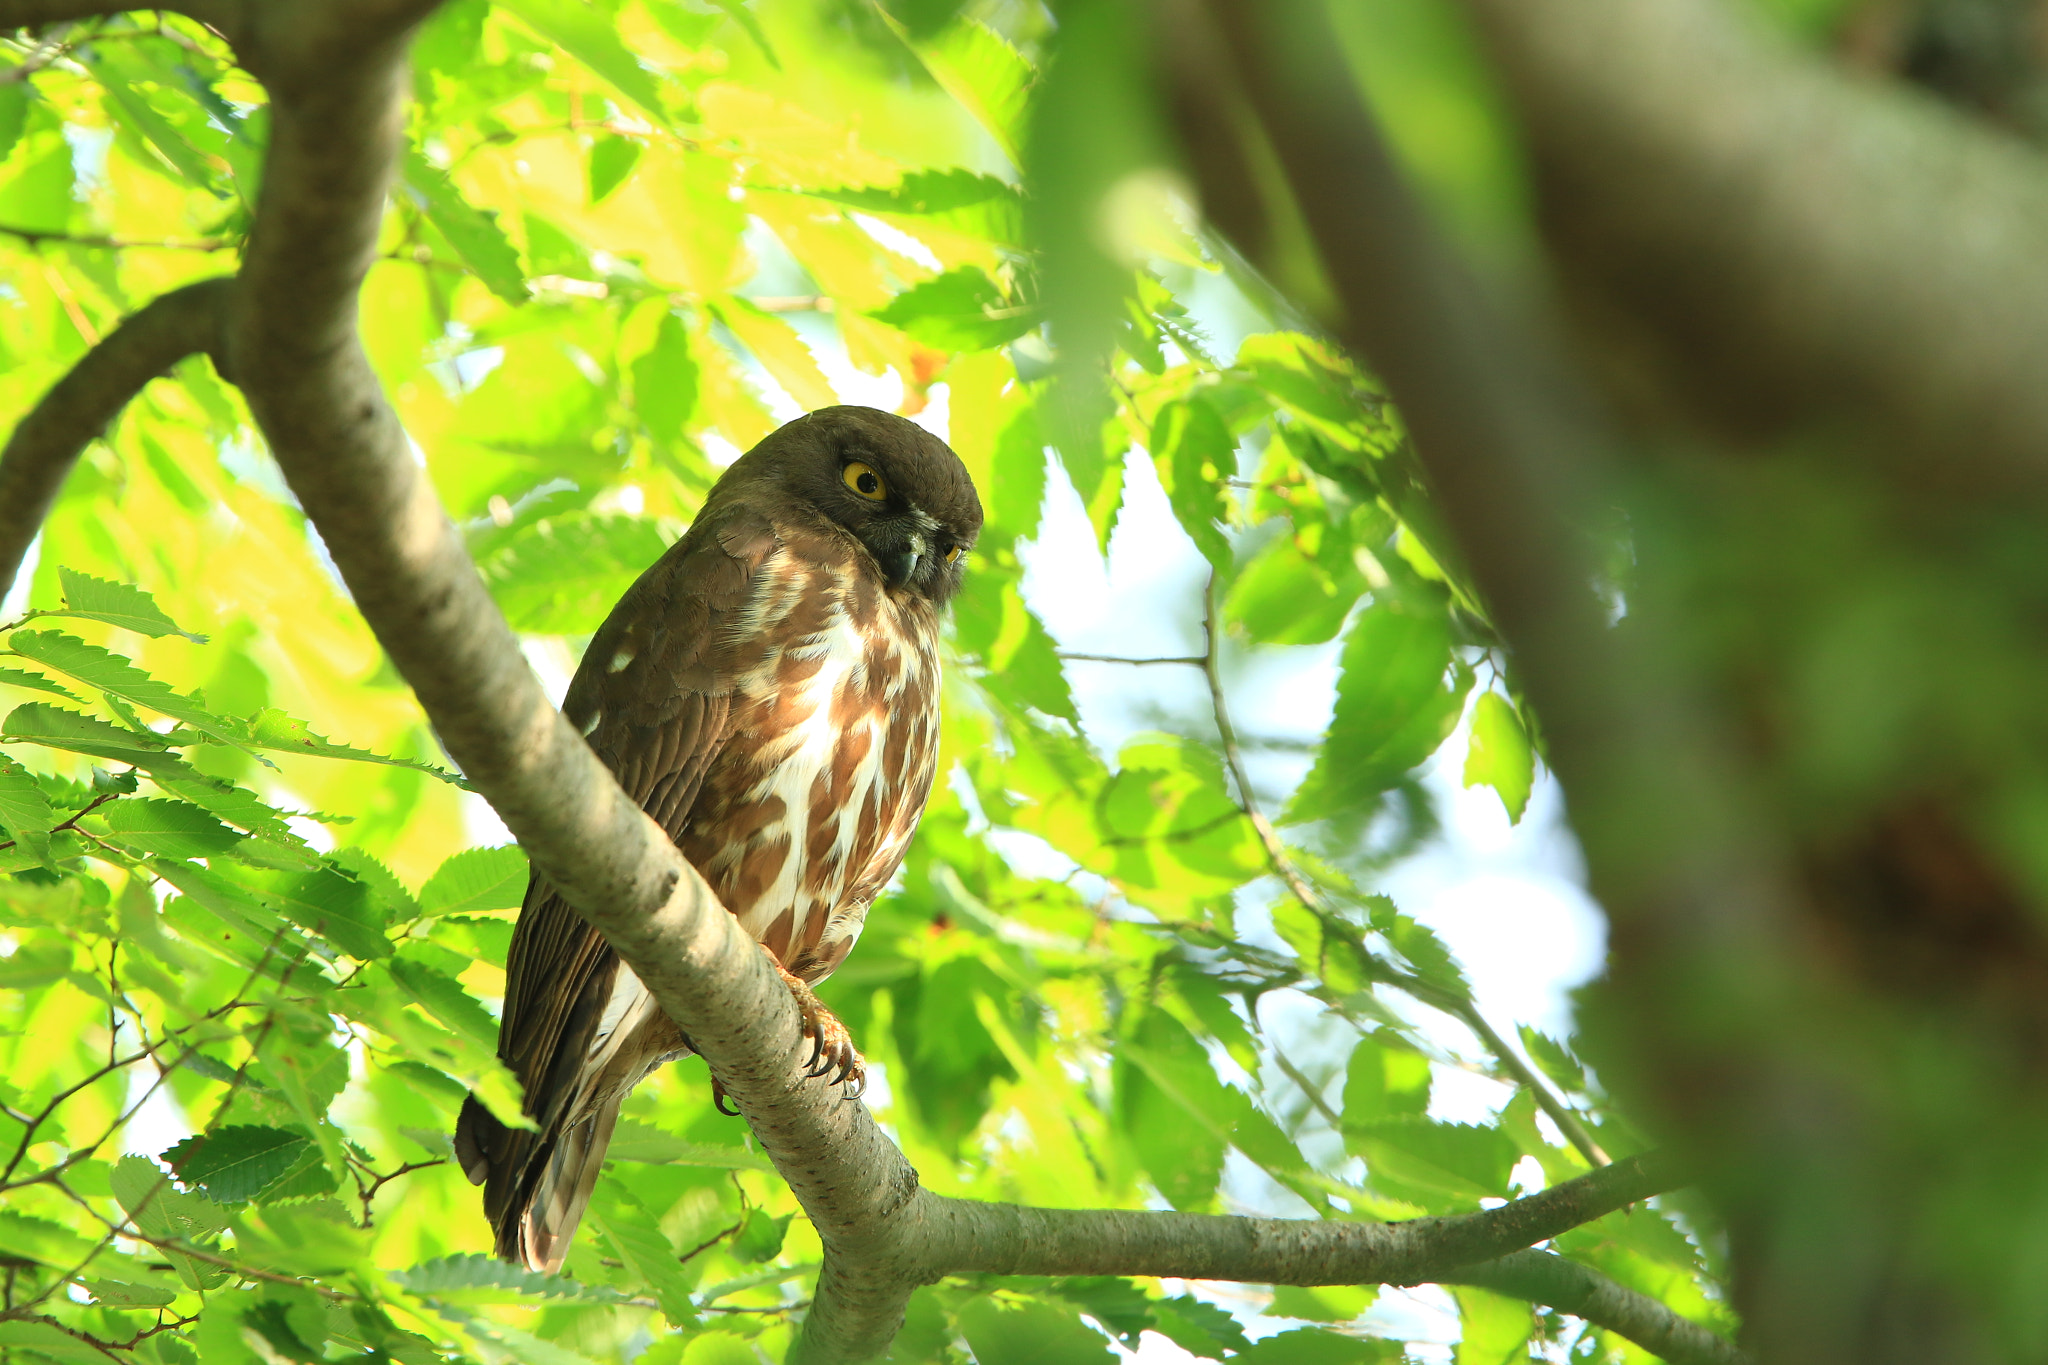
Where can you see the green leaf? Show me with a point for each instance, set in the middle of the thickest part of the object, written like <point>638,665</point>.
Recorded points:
<point>55,727</point>
<point>1326,1303</point>
<point>442,996</point>
<point>991,80</point>
<point>36,682</point>
<point>1030,1333</point>
<point>635,1141</point>
<point>116,604</point>
<point>645,1249</point>
<point>1397,700</point>
<point>1309,1346</point>
<point>760,1236</point>
<point>961,310</point>
<point>326,902</point>
<point>1384,1081</point>
<point>1195,454</point>
<point>158,1207</point>
<point>665,381</point>
<point>473,233</point>
<point>477,879</point>
<point>1500,756</point>
<point>590,37</point>
<point>612,159</point>
<point>121,1294</point>
<point>234,1164</point>
<point>1462,1161</point>
<point>116,676</point>
<point>273,729</point>
<point>1172,1108</point>
<point>176,829</point>
<point>744,17</point>
<point>485,1279</point>
<point>1496,1329</point>
<point>46,1340</point>
<point>564,574</point>
<point>24,809</point>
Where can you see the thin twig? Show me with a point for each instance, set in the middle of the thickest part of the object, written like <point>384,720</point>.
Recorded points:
<point>1290,873</point>
<point>1192,660</point>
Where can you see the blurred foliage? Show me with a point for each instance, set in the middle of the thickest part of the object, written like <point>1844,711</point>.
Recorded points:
<point>239,897</point>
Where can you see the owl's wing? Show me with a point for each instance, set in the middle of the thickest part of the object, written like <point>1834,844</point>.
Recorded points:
<point>650,699</point>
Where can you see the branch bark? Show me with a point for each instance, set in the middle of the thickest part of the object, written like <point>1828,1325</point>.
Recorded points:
<point>1723,205</point>
<point>336,75</point>
<point>1569,1287</point>
<point>79,406</point>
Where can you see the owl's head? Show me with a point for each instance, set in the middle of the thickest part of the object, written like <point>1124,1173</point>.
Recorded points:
<point>899,490</point>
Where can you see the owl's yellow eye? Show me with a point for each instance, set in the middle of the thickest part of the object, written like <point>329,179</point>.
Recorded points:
<point>863,479</point>
<point>952,553</point>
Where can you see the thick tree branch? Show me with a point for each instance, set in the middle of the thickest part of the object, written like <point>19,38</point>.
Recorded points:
<point>1571,1288</point>
<point>1742,217</point>
<point>78,407</point>
<point>36,13</point>
<point>1005,1239</point>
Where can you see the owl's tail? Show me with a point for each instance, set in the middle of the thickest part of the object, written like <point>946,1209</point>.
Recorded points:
<point>536,1182</point>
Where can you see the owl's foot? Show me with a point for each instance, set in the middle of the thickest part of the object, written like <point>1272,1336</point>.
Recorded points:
<point>832,1046</point>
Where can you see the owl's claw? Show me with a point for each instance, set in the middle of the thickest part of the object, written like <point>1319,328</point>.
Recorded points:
<point>718,1100</point>
<point>832,1046</point>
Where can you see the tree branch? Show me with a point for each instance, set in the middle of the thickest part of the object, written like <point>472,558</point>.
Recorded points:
<point>963,1236</point>
<point>1742,217</point>
<point>78,407</point>
<point>1569,1287</point>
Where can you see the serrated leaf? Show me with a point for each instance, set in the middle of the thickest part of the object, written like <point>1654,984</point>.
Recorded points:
<point>1195,455</point>
<point>117,604</point>
<point>589,37</point>
<point>961,310</point>
<point>158,1207</point>
<point>36,682</point>
<point>1030,1332</point>
<point>646,1250</point>
<point>121,1294</point>
<point>473,233</point>
<point>273,729</point>
<point>477,879</point>
<point>116,676</point>
<point>636,1141</point>
<point>990,79</point>
<point>484,1279</point>
<point>1398,698</point>
<point>442,997</point>
<point>234,1164</point>
<point>326,902</point>
<point>25,809</point>
<point>176,829</point>
<point>55,727</point>
<point>565,574</point>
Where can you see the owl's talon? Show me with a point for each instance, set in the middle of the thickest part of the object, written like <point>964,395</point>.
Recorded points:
<point>718,1100</point>
<point>831,1045</point>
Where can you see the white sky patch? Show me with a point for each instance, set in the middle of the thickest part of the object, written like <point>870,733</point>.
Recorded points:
<point>16,601</point>
<point>160,1123</point>
<point>899,241</point>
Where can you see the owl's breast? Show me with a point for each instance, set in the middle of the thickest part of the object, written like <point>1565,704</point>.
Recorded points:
<point>828,757</point>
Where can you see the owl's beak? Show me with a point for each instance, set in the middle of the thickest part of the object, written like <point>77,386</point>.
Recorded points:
<point>899,546</point>
<point>899,568</point>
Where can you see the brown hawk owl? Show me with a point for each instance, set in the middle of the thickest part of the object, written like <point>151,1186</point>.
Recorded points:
<point>769,693</point>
